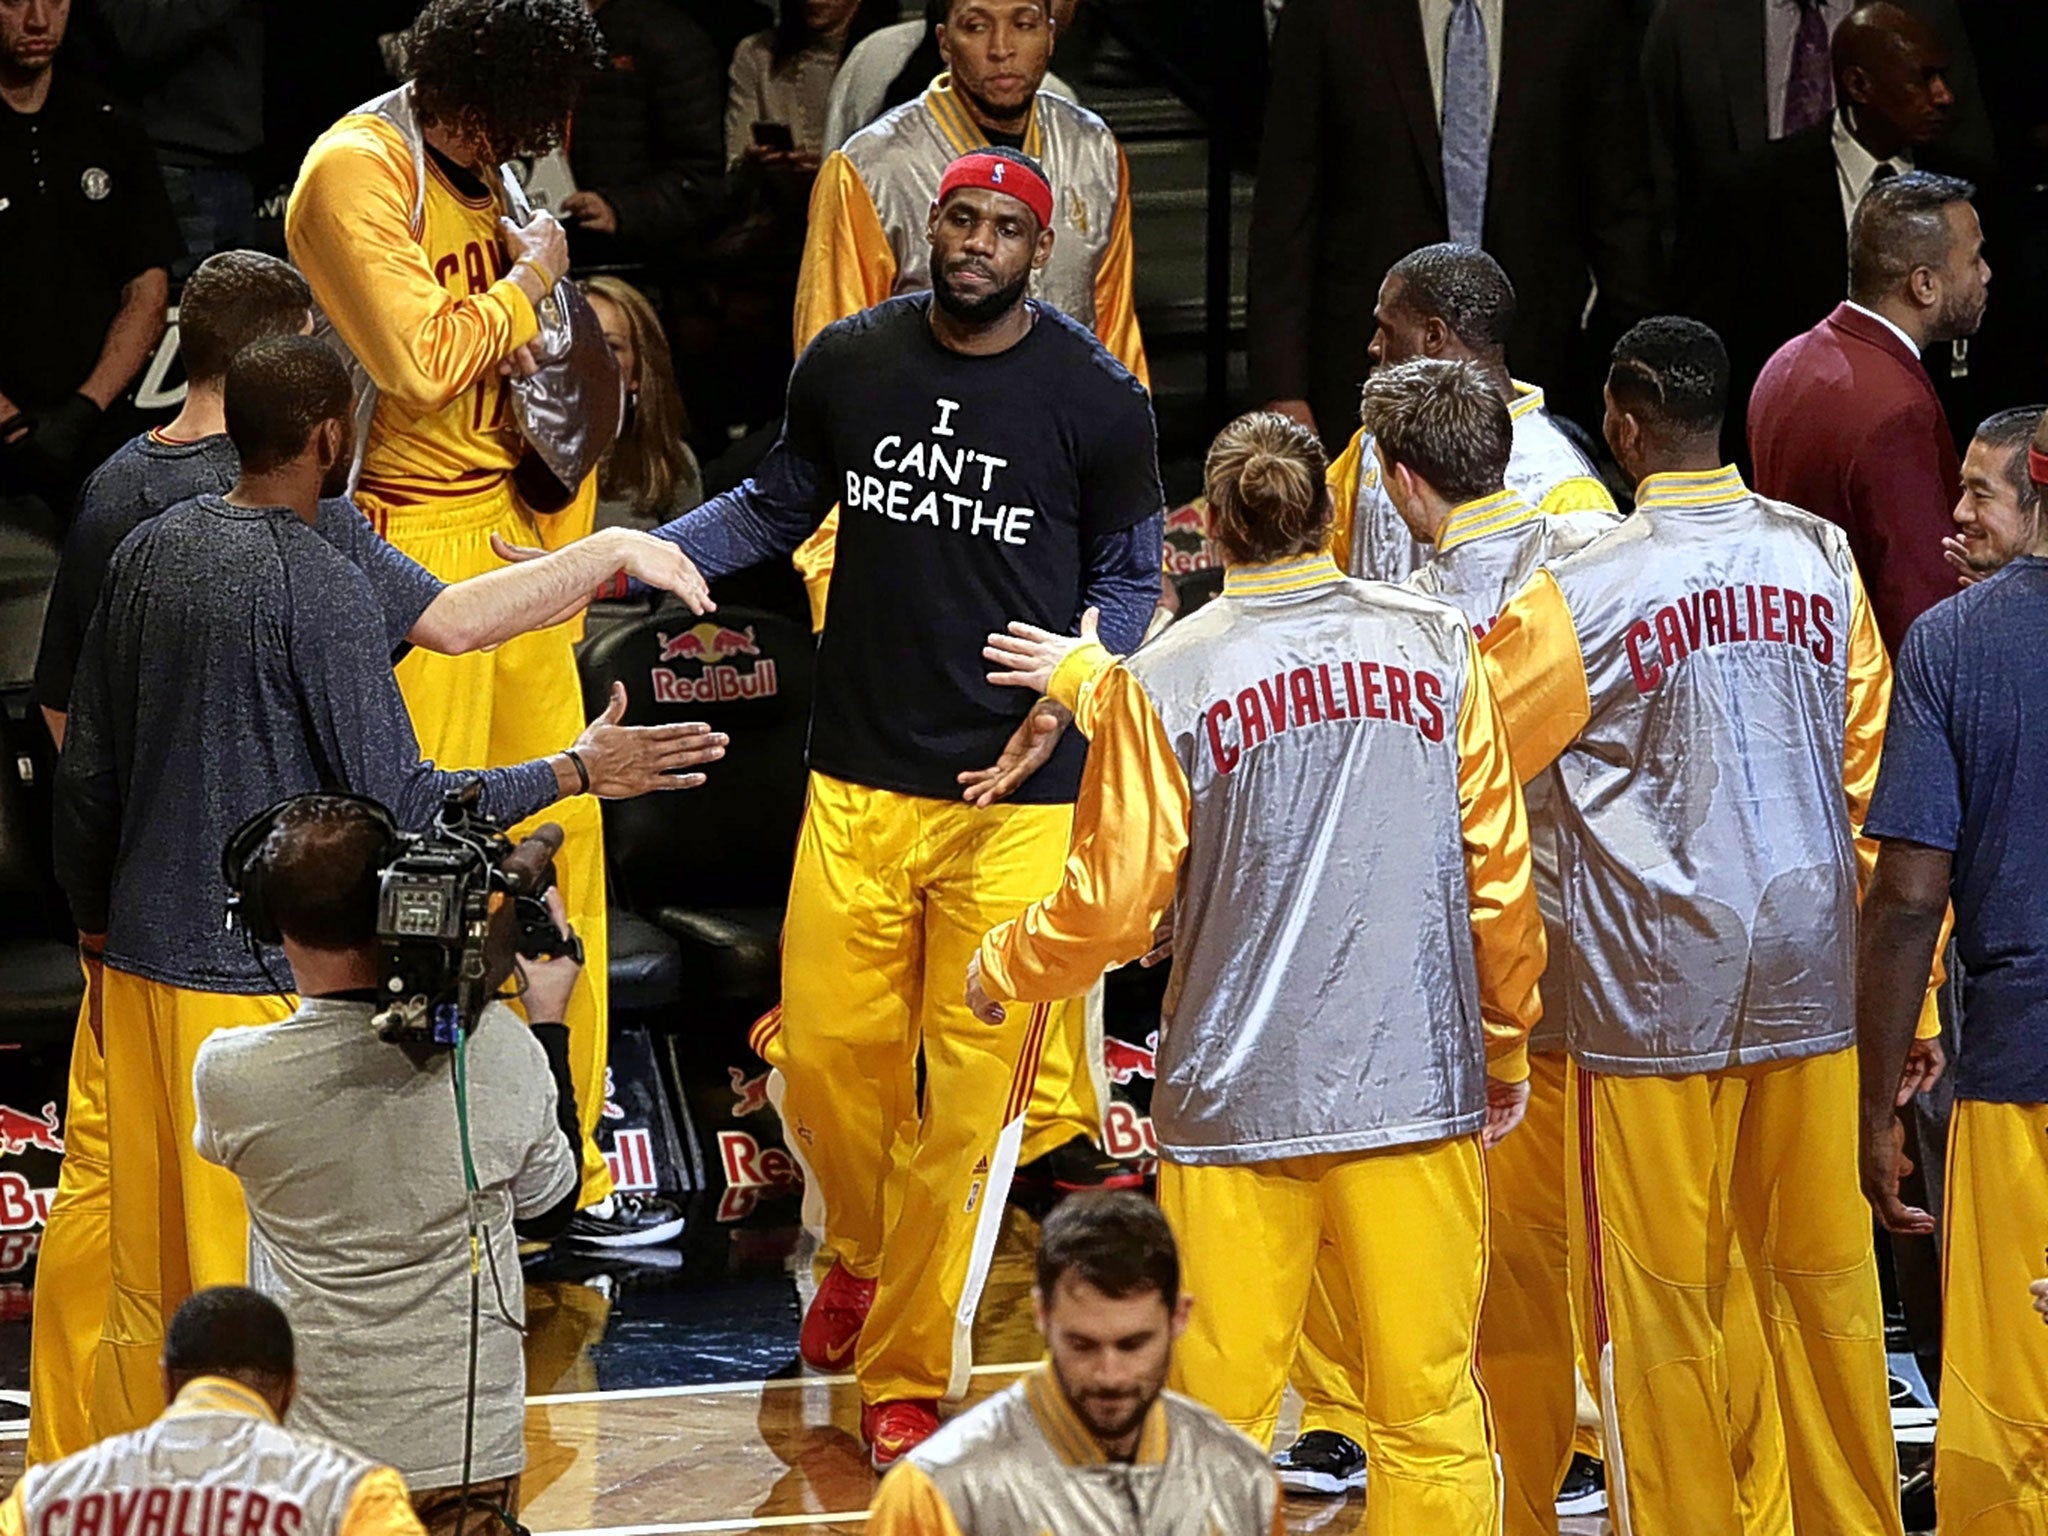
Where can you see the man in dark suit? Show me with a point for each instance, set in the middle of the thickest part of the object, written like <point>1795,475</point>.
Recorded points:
<point>1844,421</point>
<point>1726,77</point>
<point>1392,124</point>
<point>1765,260</point>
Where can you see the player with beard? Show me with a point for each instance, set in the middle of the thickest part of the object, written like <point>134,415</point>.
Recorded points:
<point>991,457</point>
<point>1038,1457</point>
<point>237,658</point>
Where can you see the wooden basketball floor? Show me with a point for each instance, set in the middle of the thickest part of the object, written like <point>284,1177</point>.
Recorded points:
<point>666,1401</point>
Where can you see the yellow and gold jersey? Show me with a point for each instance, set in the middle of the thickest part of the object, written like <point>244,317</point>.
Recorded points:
<point>429,315</point>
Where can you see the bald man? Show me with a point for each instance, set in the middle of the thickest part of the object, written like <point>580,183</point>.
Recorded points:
<point>1766,260</point>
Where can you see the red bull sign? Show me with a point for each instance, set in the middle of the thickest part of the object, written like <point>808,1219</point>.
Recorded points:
<point>1124,1061</point>
<point>753,1172</point>
<point>22,1206</point>
<point>1188,545</point>
<point>19,1132</point>
<point>711,647</point>
<point>749,1094</point>
<point>631,1161</point>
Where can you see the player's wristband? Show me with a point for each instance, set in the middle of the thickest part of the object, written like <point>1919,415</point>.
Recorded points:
<point>582,773</point>
<point>539,271</point>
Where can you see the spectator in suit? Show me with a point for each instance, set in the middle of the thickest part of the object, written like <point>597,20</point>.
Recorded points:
<point>1845,422</point>
<point>1765,260</point>
<point>1726,77</point>
<point>649,147</point>
<point>1392,124</point>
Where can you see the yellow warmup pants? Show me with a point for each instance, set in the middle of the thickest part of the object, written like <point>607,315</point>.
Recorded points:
<point>1991,1448</point>
<point>890,898</point>
<point>72,1263</point>
<point>177,1223</point>
<point>490,709</point>
<point>1410,1225</point>
<point>1528,1351</point>
<point>1067,1094</point>
<point>1673,1170</point>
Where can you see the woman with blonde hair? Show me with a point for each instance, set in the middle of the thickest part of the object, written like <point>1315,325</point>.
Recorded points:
<point>1309,780</point>
<point>649,475</point>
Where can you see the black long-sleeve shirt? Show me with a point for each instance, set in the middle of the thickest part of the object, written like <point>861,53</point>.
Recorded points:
<point>973,491</point>
<point>650,134</point>
<point>236,658</point>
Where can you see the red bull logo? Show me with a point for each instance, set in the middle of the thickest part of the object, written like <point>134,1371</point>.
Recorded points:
<point>1188,545</point>
<point>711,646</point>
<point>613,1109</point>
<point>1124,1061</point>
<point>22,1205</point>
<point>749,1094</point>
<point>19,1132</point>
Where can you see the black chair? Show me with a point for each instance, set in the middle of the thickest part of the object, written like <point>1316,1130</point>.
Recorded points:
<point>40,983</point>
<point>700,878</point>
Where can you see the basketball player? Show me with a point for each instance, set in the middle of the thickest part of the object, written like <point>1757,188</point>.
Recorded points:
<point>237,658</point>
<point>1310,773</point>
<point>234,298</point>
<point>990,453</point>
<point>395,221</point>
<point>1441,437</point>
<point>1452,301</point>
<point>1711,685</point>
<point>866,241</point>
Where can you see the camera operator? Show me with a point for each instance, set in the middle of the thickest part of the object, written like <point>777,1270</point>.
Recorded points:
<point>352,1154</point>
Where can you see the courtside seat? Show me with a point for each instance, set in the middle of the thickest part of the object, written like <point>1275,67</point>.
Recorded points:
<point>707,870</point>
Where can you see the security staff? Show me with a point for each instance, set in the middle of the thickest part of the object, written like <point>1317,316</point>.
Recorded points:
<point>219,1455</point>
<point>1311,775</point>
<point>1710,682</point>
<point>86,242</point>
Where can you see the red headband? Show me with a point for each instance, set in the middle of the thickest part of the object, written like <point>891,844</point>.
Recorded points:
<point>999,173</point>
<point>2037,466</point>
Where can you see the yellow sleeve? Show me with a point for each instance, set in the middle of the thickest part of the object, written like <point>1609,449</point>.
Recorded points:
<point>1581,493</point>
<point>13,1517</point>
<point>848,263</point>
<point>1507,927</point>
<point>908,1504</point>
<point>1870,703</point>
<point>349,229</point>
<point>380,1506</point>
<point>1130,833</point>
<point>1116,311</point>
<point>1343,483</point>
<point>1538,675</point>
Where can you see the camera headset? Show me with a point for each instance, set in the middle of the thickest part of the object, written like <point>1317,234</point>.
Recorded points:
<point>436,892</point>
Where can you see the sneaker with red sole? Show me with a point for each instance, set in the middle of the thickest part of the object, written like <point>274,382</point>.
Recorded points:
<point>1080,1165</point>
<point>831,1330</point>
<point>893,1430</point>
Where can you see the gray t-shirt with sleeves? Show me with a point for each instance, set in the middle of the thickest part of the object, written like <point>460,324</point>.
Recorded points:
<point>349,1153</point>
<point>236,658</point>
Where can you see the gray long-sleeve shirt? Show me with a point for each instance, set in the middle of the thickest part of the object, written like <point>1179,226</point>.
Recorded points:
<point>236,658</point>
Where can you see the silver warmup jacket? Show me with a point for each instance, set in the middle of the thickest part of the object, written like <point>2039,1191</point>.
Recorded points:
<point>1324,994</point>
<point>1706,856</point>
<point>1542,461</point>
<point>1483,555</point>
<point>1022,1463</point>
<point>902,156</point>
<point>215,1461</point>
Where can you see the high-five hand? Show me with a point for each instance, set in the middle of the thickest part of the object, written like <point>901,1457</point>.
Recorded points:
<point>628,760</point>
<point>1026,656</point>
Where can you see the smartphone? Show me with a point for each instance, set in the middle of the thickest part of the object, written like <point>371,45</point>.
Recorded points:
<point>775,136</point>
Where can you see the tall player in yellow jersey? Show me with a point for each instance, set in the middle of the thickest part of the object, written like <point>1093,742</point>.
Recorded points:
<point>866,242</point>
<point>396,222</point>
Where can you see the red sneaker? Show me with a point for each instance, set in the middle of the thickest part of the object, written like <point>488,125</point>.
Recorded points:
<point>831,1330</point>
<point>895,1429</point>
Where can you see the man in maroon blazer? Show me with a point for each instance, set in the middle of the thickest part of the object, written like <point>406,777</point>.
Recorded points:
<point>1844,421</point>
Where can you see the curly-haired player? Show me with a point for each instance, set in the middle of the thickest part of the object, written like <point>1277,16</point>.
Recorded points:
<point>397,223</point>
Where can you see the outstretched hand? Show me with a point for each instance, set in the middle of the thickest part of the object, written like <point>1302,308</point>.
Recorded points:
<point>1027,751</point>
<point>1026,656</point>
<point>628,760</point>
<point>1884,1163</point>
<point>1506,1103</point>
<point>642,556</point>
